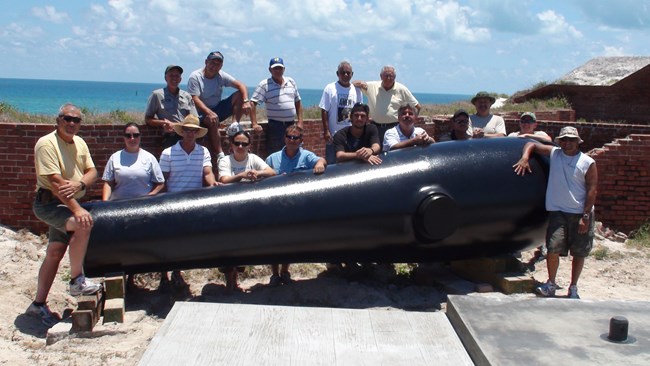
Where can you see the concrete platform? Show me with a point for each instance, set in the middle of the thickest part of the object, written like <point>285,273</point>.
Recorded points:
<point>525,330</point>
<point>236,334</point>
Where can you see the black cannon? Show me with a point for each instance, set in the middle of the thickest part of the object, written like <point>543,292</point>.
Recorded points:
<point>449,200</point>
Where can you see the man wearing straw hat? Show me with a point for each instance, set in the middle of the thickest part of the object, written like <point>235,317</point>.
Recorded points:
<point>186,165</point>
<point>570,197</point>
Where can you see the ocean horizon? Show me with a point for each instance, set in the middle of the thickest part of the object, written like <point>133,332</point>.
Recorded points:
<point>36,96</point>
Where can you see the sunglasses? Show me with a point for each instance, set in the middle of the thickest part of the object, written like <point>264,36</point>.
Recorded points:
<point>570,139</point>
<point>132,135</point>
<point>462,121</point>
<point>527,120</point>
<point>241,144</point>
<point>71,119</point>
<point>293,138</point>
<point>189,129</point>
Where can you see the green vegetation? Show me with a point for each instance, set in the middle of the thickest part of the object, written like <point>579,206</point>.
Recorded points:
<point>640,238</point>
<point>8,113</point>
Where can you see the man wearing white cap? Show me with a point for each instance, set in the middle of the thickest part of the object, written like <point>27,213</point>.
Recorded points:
<point>280,93</point>
<point>570,198</point>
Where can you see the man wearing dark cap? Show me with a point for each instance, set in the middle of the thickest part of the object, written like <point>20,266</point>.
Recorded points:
<point>206,86</point>
<point>280,94</point>
<point>484,123</point>
<point>169,105</point>
<point>459,122</point>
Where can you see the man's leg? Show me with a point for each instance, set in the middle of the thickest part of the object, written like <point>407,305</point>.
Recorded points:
<point>552,265</point>
<point>275,136</point>
<point>78,245</point>
<point>330,154</point>
<point>215,138</point>
<point>236,105</point>
<point>576,269</point>
<point>53,255</point>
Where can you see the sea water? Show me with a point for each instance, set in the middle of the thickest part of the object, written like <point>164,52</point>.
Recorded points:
<point>46,96</point>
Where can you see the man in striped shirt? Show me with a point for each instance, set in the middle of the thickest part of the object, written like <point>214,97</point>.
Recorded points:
<point>186,165</point>
<point>283,105</point>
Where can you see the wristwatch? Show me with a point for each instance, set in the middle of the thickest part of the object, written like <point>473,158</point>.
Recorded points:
<point>585,217</point>
<point>246,101</point>
<point>83,185</point>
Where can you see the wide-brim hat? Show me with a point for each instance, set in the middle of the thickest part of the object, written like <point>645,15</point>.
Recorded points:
<point>570,132</point>
<point>484,94</point>
<point>191,121</point>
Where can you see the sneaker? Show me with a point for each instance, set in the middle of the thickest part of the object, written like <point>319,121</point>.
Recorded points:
<point>547,289</point>
<point>285,277</point>
<point>47,317</point>
<point>573,292</point>
<point>84,286</point>
<point>275,281</point>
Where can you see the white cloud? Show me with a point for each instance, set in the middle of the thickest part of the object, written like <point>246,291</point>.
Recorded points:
<point>555,24</point>
<point>49,13</point>
<point>613,51</point>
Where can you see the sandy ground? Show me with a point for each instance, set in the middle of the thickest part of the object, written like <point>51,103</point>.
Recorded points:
<point>621,275</point>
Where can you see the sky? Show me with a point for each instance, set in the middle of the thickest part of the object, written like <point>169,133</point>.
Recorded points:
<point>447,46</point>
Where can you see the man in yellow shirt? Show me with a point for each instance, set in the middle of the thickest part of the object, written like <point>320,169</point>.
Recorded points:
<point>64,168</point>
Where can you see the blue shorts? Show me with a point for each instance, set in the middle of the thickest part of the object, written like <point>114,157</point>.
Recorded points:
<point>223,109</point>
<point>55,214</point>
<point>562,235</point>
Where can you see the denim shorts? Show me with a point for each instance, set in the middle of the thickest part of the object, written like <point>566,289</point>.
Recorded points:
<point>55,214</point>
<point>562,235</point>
<point>223,109</point>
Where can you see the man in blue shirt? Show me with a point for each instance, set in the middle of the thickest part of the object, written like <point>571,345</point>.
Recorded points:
<point>290,159</point>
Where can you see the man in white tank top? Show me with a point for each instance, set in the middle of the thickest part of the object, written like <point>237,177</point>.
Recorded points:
<point>570,197</point>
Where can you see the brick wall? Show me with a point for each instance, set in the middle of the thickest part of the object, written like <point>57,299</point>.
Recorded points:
<point>624,182</point>
<point>18,180</point>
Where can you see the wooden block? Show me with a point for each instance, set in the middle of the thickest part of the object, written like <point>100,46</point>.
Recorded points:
<point>484,287</point>
<point>114,311</point>
<point>89,302</point>
<point>510,283</point>
<point>83,320</point>
<point>114,287</point>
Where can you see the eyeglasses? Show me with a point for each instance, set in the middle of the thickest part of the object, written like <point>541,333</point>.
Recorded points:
<point>71,119</point>
<point>346,72</point>
<point>132,135</point>
<point>462,121</point>
<point>293,138</point>
<point>389,76</point>
<point>240,143</point>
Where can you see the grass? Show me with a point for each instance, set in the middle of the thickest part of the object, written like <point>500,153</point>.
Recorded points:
<point>9,113</point>
<point>640,239</point>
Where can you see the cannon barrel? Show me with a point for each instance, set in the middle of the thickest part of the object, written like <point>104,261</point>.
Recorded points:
<point>449,200</point>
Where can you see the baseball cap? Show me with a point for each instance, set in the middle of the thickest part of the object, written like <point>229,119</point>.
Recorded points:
<point>276,61</point>
<point>215,55</point>
<point>459,112</point>
<point>528,114</point>
<point>172,67</point>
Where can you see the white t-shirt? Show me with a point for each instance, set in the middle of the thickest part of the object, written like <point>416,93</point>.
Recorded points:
<point>490,124</point>
<point>567,189</point>
<point>229,166</point>
<point>338,101</point>
<point>395,135</point>
<point>134,174</point>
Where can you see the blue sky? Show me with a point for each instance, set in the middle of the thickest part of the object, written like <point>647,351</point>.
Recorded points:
<point>436,46</point>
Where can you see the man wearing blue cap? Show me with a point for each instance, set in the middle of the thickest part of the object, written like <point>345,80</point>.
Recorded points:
<point>282,100</point>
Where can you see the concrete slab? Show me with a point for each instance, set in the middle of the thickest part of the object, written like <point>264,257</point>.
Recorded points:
<point>241,334</point>
<point>526,330</point>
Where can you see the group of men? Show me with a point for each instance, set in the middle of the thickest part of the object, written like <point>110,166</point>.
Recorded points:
<point>352,131</point>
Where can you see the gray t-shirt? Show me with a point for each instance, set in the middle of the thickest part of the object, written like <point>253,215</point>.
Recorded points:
<point>166,105</point>
<point>209,90</point>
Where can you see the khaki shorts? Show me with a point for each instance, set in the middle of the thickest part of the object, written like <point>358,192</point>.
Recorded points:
<point>55,214</point>
<point>562,235</point>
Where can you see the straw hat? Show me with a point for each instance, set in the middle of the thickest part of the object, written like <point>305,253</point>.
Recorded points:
<point>191,121</point>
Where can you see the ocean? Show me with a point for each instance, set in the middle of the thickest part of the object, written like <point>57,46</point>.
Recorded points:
<point>46,96</point>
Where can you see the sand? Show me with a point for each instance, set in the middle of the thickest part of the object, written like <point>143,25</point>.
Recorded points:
<point>620,275</point>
